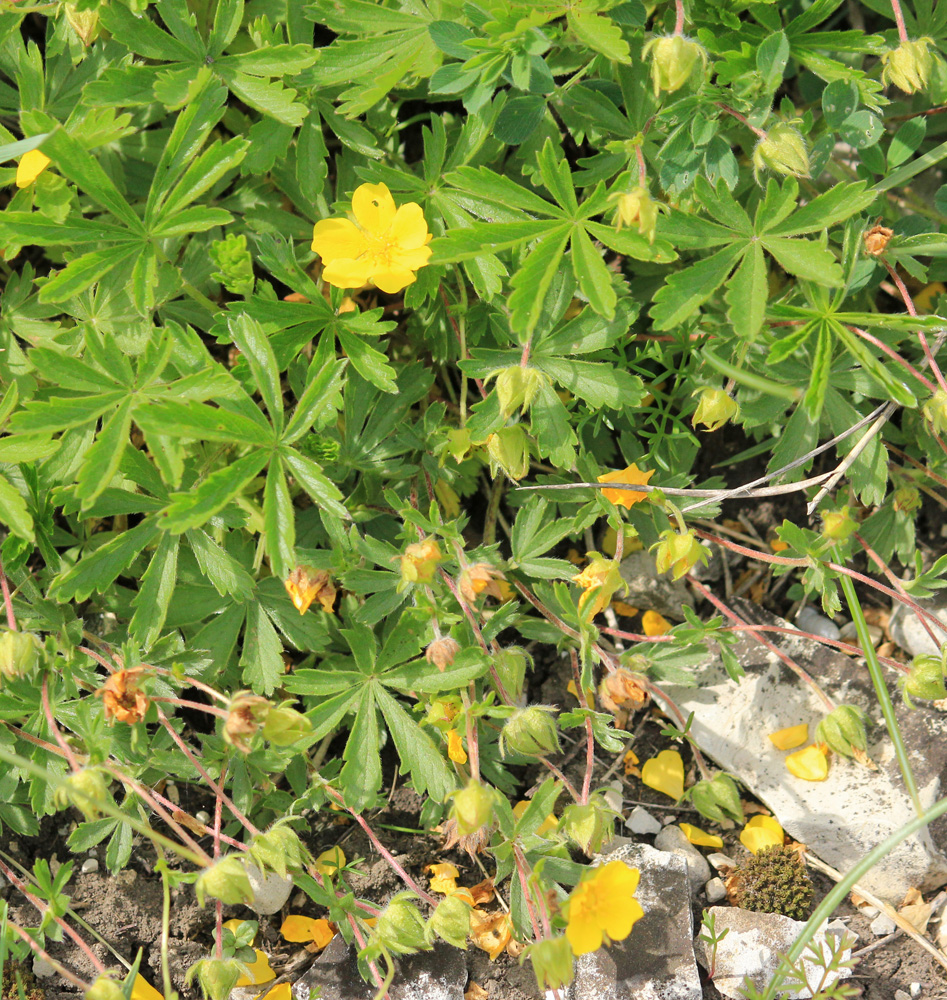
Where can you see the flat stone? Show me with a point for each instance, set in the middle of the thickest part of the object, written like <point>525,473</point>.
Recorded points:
<point>754,946</point>
<point>882,925</point>
<point>650,591</point>
<point>656,961</point>
<point>809,620</point>
<point>719,861</point>
<point>844,817</point>
<point>89,865</point>
<point>41,968</point>
<point>439,974</point>
<point>270,891</point>
<point>915,989</point>
<point>640,821</point>
<point>908,632</point>
<point>715,890</point>
<point>672,838</point>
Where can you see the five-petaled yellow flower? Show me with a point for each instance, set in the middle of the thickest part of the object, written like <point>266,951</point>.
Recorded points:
<point>603,908</point>
<point>385,245</point>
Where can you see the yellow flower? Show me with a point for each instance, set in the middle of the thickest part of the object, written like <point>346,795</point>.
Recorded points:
<point>790,737</point>
<point>634,475</point>
<point>385,245</point>
<point>678,552</point>
<point>549,824</point>
<point>760,832</point>
<point>455,747</point>
<point>665,773</point>
<point>143,990</point>
<point>305,585</point>
<point>810,764</point>
<point>603,908</point>
<point>599,580</point>
<point>700,838</point>
<point>31,165</point>
<point>443,877</point>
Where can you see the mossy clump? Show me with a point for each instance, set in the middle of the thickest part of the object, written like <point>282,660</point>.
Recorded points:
<point>774,880</point>
<point>15,974</point>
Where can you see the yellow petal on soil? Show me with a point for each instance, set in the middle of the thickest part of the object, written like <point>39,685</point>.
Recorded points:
<point>809,764</point>
<point>665,773</point>
<point>626,610</point>
<point>329,862</point>
<point>491,932</point>
<point>298,929</point>
<point>574,691</point>
<point>260,971</point>
<point>443,878</point>
<point>654,624</point>
<point>760,832</point>
<point>282,991</point>
<point>700,838</point>
<point>143,990</point>
<point>790,737</point>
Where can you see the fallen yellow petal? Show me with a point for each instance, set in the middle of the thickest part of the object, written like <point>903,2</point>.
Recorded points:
<point>631,475</point>
<point>329,862</point>
<point>282,991</point>
<point>260,971</point>
<point>143,990</point>
<point>31,165</point>
<point>443,878</point>
<point>455,747</point>
<point>700,838</point>
<point>298,929</point>
<point>624,609</point>
<point>665,773</point>
<point>760,832</point>
<point>549,823</point>
<point>654,624</point>
<point>491,932</point>
<point>810,764</point>
<point>790,737</point>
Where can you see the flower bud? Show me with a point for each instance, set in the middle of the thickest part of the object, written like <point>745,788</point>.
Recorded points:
<point>516,386</point>
<point>908,66</point>
<point>480,578</point>
<point>589,826</point>
<point>305,585</point>
<point>441,652</point>
<point>925,680</point>
<point>419,562</point>
<point>531,732</point>
<point>226,880</point>
<point>509,450</point>
<point>442,711</point>
<point>279,849</point>
<point>104,988</point>
<point>876,240</point>
<point>935,409</point>
<point>715,408</point>
<point>400,927</point>
<point>19,654</point>
<point>673,59</point>
<point>718,799</point>
<point>217,976</point>
<point>638,209</point>
<point>837,525</point>
<point>284,725</point>
<point>472,808</point>
<point>843,730</point>
<point>244,715</point>
<point>782,150</point>
<point>679,552</point>
<point>85,23</point>
<point>510,665</point>
<point>87,790</point>
<point>451,921</point>
<point>907,500</point>
<point>552,963</point>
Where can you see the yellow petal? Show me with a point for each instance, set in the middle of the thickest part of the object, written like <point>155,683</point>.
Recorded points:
<point>584,937</point>
<point>655,624</point>
<point>31,165</point>
<point>260,971</point>
<point>392,279</point>
<point>760,832</point>
<point>333,239</point>
<point>410,259</point>
<point>282,991</point>
<point>443,878</point>
<point>298,929</point>
<point>455,747</point>
<point>409,229</point>
<point>633,475</point>
<point>345,272</point>
<point>665,773</point>
<point>809,764</point>
<point>373,208</point>
<point>322,933</point>
<point>329,862</point>
<point>791,736</point>
<point>700,838</point>
<point>620,920</point>
<point>143,990</point>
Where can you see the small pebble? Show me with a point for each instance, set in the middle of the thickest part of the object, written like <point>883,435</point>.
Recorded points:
<point>612,796</point>
<point>850,634</point>
<point>915,989</point>
<point>89,865</point>
<point>300,899</point>
<point>42,969</point>
<point>202,817</point>
<point>171,790</point>
<point>883,925</point>
<point>869,912</point>
<point>902,995</point>
<point>720,861</point>
<point>715,890</point>
<point>668,819</point>
<point>809,620</point>
<point>640,821</point>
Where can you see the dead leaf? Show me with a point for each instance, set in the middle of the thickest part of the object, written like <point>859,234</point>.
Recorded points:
<point>475,992</point>
<point>915,911</point>
<point>483,891</point>
<point>864,759</point>
<point>194,825</point>
<point>491,932</point>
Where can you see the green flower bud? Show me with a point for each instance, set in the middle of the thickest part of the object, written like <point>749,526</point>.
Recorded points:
<point>588,826</point>
<point>472,808</point>
<point>510,665</point>
<point>19,654</point>
<point>85,23</point>
<point>531,732</point>
<point>400,927</point>
<point>782,150</point>
<point>451,921</point>
<point>279,850</point>
<point>552,963</point>
<point>87,790</point>
<point>285,725</point>
<point>508,449</point>
<point>226,880</point>
<point>907,500</point>
<point>236,266</point>
<point>217,976</point>
<point>715,408</point>
<point>935,409</point>
<point>837,525</point>
<point>843,730</point>
<point>637,208</point>
<point>718,799</point>
<point>908,66</point>
<point>679,552</point>
<point>925,680</point>
<point>673,59</point>
<point>516,387</point>
<point>104,988</point>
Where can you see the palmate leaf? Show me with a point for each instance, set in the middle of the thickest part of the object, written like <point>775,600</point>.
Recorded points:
<point>262,658</point>
<point>154,594</point>
<point>361,775</point>
<point>191,510</point>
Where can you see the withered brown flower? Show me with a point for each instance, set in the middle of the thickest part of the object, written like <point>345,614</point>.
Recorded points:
<point>305,585</point>
<point>245,715</point>
<point>123,699</point>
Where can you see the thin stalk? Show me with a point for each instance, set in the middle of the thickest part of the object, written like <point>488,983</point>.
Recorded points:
<point>7,600</point>
<point>165,927</point>
<point>881,692</point>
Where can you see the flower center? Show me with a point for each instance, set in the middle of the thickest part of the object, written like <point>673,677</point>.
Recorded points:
<point>379,249</point>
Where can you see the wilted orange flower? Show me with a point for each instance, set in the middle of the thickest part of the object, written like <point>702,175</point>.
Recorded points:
<point>245,715</point>
<point>419,562</point>
<point>599,580</point>
<point>305,585</point>
<point>621,694</point>
<point>626,498</point>
<point>441,652</point>
<point>123,699</point>
<point>491,932</point>
<point>481,578</point>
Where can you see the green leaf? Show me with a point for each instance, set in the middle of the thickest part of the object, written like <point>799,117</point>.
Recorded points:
<point>488,238</point>
<point>154,594</point>
<point>747,292</point>
<point>262,657</point>
<point>370,363</point>
<point>594,278</point>
<point>191,510</point>
<point>532,281</point>
<point>598,384</point>
<point>197,219</point>
<point>14,513</point>
<point>821,372</point>
<point>60,413</point>
<point>31,228</point>
<point>210,167</point>
<point>310,477</point>
<point>201,422</point>
<point>269,97</point>
<point>316,397</point>
<point>771,58</point>
<point>600,33</point>
<point>14,150</point>
<point>806,259</point>
<point>519,119</point>
<point>103,458</point>
<point>279,521</point>
<point>685,291</point>
<point>254,345</point>
<point>837,204</point>
<point>360,778</point>
<point>143,36</point>
<point>225,574</point>
<point>84,271</point>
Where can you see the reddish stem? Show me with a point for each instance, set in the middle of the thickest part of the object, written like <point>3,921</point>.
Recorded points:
<point>54,729</point>
<point>524,885</point>
<point>758,132</point>
<point>893,354</point>
<point>570,788</point>
<point>899,20</point>
<point>7,600</point>
<point>906,295</point>
<point>590,742</point>
<point>679,18</point>
<point>198,706</point>
<point>61,969</point>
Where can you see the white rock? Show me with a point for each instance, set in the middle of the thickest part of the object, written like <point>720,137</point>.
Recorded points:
<point>869,912</point>
<point>882,925</point>
<point>720,861</point>
<point>41,968</point>
<point>270,891</point>
<point>640,821</point>
<point>902,995</point>
<point>89,865</point>
<point>613,796</point>
<point>672,838</point>
<point>809,620</point>
<point>715,890</point>
<point>908,632</point>
<point>849,633</point>
<point>668,818</point>
<point>915,989</point>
